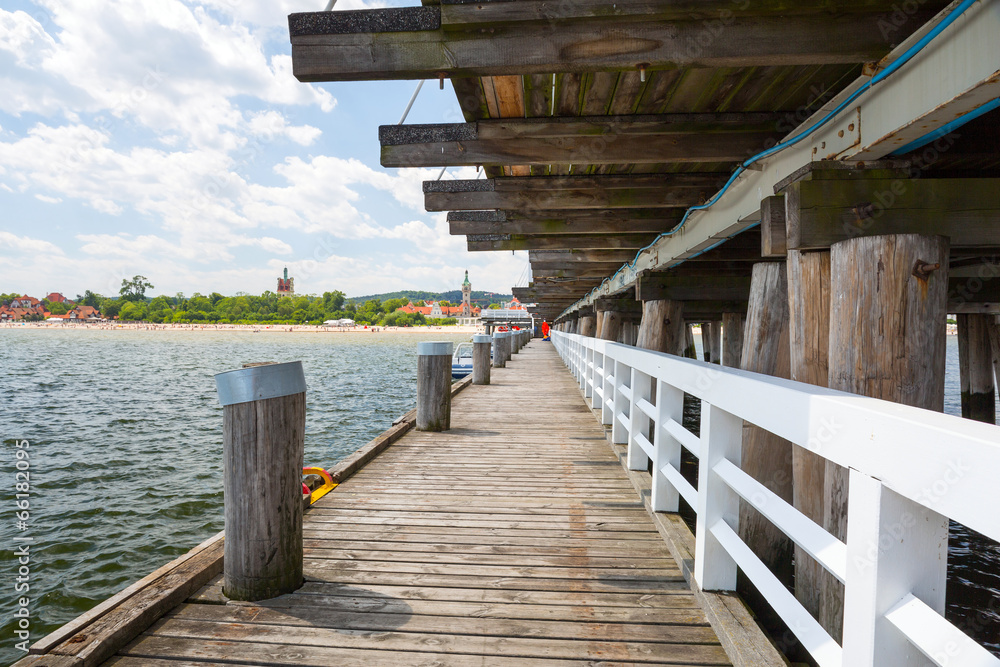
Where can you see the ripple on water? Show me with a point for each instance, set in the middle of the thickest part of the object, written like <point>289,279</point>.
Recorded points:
<point>127,447</point>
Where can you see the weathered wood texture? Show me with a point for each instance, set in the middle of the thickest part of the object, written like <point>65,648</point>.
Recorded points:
<point>772,227</point>
<point>732,339</point>
<point>662,327</point>
<point>834,206</point>
<point>975,365</point>
<point>501,346</point>
<point>611,328</point>
<point>264,444</point>
<point>582,193</point>
<point>481,362</point>
<point>433,392</point>
<point>809,340</point>
<point>766,457</point>
<point>414,43</point>
<point>588,325</point>
<point>887,340</point>
<point>475,546</point>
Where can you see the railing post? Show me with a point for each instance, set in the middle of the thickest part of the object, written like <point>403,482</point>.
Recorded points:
<point>638,422</point>
<point>894,547</point>
<point>597,378</point>
<point>481,344</point>
<point>434,386</point>
<point>609,389</point>
<point>623,378</point>
<point>588,366</point>
<point>263,433</point>
<point>721,438</point>
<point>666,449</point>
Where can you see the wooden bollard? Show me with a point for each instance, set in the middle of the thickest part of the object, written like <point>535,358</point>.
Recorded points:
<point>263,432</point>
<point>500,342</point>
<point>481,345</point>
<point>434,386</point>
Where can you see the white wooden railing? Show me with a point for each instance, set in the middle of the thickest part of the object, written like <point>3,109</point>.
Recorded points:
<point>910,471</point>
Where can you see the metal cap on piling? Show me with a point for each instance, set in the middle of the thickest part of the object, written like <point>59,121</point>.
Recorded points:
<point>434,386</point>
<point>263,432</point>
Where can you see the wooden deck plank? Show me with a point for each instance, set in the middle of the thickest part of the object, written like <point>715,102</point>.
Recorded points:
<point>513,539</point>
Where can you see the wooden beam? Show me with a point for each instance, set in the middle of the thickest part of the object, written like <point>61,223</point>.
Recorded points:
<point>572,192</point>
<point>772,227</point>
<point>677,138</point>
<point>619,305</point>
<point>573,270</point>
<point>480,242</point>
<point>586,256</point>
<point>559,222</point>
<point>655,286</point>
<point>423,42</point>
<point>830,207</point>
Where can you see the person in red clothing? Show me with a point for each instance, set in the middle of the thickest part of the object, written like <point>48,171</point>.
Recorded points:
<point>545,329</point>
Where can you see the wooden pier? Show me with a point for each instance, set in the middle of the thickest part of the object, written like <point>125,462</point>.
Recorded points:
<point>515,538</point>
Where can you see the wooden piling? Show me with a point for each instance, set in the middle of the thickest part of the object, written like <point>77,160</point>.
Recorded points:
<point>766,457</point>
<point>588,324</point>
<point>975,366</point>
<point>690,351</point>
<point>500,344</point>
<point>732,337</point>
<point>706,341</point>
<point>434,386</point>
<point>263,432</point>
<point>809,340</point>
<point>612,325</point>
<point>889,297</point>
<point>716,342</point>
<point>662,327</point>
<point>481,345</point>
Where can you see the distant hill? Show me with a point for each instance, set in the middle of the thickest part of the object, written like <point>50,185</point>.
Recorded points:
<point>454,296</point>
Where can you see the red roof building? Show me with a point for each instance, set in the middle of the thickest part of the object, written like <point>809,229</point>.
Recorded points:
<point>56,297</point>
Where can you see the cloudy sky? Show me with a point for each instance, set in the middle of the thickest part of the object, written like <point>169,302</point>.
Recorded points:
<point>169,138</point>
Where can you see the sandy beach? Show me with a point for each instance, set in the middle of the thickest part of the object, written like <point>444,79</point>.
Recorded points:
<point>286,328</point>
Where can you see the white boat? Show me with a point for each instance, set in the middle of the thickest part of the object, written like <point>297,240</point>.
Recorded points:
<point>461,361</point>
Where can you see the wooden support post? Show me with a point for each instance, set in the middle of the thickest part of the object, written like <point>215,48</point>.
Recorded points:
<point>481,344</point>
<point>434,386</point>
<point>500,344</point>
<point>716,328</point>
<point>732,333</point>
<point>766,457</point>
<point>690,351</point>
<point>993,330</point>
<point>975,366</point>
<point>612,325</point>
<point>809,340</point>
<point>263,433</point>
<point>889,297</point>
<point>599,320</point>
<point>588,324</point>
<point>706,342</point>
<point>662,326</point>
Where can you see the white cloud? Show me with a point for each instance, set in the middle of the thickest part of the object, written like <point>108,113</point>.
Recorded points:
<point>23,244</point>
<point>48,200</point>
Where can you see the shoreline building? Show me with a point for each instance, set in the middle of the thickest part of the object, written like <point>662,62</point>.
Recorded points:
<point>286,285</point>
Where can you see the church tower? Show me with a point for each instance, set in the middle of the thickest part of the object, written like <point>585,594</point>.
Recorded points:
<point>286,286</point>
<point>466,296</point>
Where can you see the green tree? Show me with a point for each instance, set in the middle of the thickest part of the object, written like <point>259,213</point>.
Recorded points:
<point>91,299</point>
<point>494,306</point>
<point>333,301</point>
<point>159,309</point>
<point>445,303</point>
<point>135,289</point>
<point>133,311</point>
<point>420,304</point>
<point>110,307</point>
<point>57,308</point>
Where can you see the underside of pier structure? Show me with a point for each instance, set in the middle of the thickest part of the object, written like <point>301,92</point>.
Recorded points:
<point>599,124</point>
